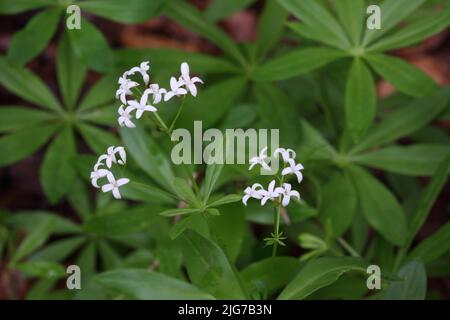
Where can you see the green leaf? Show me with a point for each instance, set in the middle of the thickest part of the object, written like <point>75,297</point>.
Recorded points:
<point>99,140</point>
<point>404,120</point>
<point>379,206</point>
<point>218,97</point>
<point>429,197</point>
<point>228,229</point>
<point>188,16</point>
<point>145,285</point>
<point>58,250</point>
<point>31,40</point>
<point>220,9</point>
<point>412,287</point>
<point>167,61</point>
<point>91,47</point>
<point>270,26</point>
<point>392,12</point>
<point>42,269</point>
<point>351,16</point>
<point>26,85</point>
<point>212,173</point>
<point>294,63</point>
<point>34,240</point>
<point>22,143</point>
<point>109,257</point>
<point>270,275</point>
<point>131,11</point>
<point>71,72</point>
<point>146,193</point>
<point>209,268</point>
<point>230,198</point>
<point>425,26</point>
<point>434,246</point>
<point>314,15</point>
<point>101,93</point>
<point>405,77</point>
<point>338,203</point>
<point>185,192</point>
<point>129,221</point>
<point>148,155</point>
<point>178,212</point>
<point>319,273</point>
<point>79,198</point>
<point>14,117</point>
<point>56,172</point>
<point>415,160</point>
<point>87,261</point>
<point>15,6</point>
<point>360,99</point>
<point>28,220</point>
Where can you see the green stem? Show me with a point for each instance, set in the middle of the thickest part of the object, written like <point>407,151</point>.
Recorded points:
<point>347,247</point>
<point>276,228</point>
<point>180,109</point>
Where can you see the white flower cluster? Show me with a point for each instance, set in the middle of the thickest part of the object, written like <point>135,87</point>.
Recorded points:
<point>113,155</point>
<point>285,191</point>
<point>179,87</point>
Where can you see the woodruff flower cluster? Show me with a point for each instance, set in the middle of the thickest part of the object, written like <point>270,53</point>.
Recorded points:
<point>117,155</point>
<point>178,87</point>
<point>114,155</point>
<point>282,193</point>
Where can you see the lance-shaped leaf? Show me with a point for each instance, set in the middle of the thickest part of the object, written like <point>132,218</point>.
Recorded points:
<point>404,120</point>
<point>295,63</point>
<point>131,11</point>
<point>434,246</point>
<point>191,18</point>
<point>57,173</point>
<point>379,206</point>
<point>360,99</point>
<point>413,283</point>
<point>99,140</point>
<point>149,156</point>
<point>30,41</point>
<point>101,93</point>
<point>185,192</point>
<point>26,85</point>
<point>319,22</point>
<point>320,273</point>
<point>14,6</point>
<point>351,16</point>
<point>425,26</point>
<point>13,118</point>
<point>405,77</point>
<point>392,12</point>
<point>22,143</point>
<point>91,47</point>
<point>146,285</point>
<point>209,268</point>
<point>70,71</point>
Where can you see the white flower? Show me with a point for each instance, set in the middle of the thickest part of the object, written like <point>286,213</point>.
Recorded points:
<point>175,89</point>
<point>125,117</point>
<point>271,193</point>
<point>142,69</point>
<point>261,159</point>
<point>141,106</point>
<point>293,169</point>
<point>125,88</point>
<point>286,154</point>
<point>187,80</point>
<point>114,185</point>
<point>156,92</point>
<point>110,157</point>
<point>98,174</point>
<point>252,192</point>
<point>287,193</point>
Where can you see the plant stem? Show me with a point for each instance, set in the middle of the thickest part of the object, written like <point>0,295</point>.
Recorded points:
<point>276,228</point>
<point>180,109</point>
<point>347,247</point>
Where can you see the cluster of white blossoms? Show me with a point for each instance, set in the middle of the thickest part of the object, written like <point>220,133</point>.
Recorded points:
<point>114,155</point>
<point>283,192</point>
<point>178,87</point>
